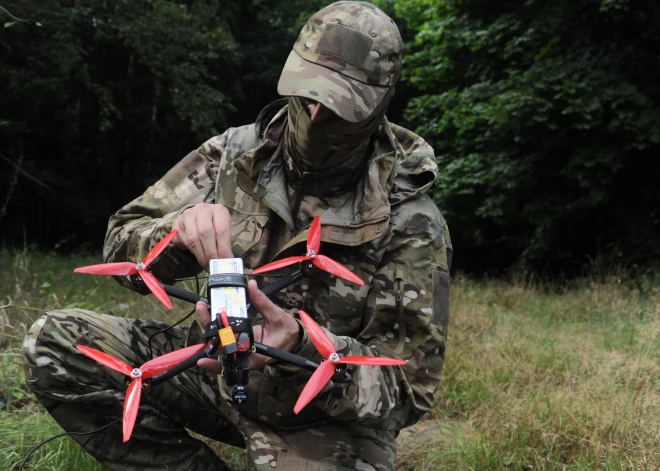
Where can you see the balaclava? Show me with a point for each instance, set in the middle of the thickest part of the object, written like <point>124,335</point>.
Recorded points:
<point>334,149</point>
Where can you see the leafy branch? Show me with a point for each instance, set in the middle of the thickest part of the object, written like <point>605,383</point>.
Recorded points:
<point>16,19</point>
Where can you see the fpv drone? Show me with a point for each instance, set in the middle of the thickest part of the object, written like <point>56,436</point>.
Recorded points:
<point>229,336</point>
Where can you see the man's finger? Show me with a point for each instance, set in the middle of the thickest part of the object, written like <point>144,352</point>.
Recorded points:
<point>207,236</point>
<point>262,304</point>
<point>203,312</point>
<point>180,226</point>
<point>190,236</point>
<point>222,229</point>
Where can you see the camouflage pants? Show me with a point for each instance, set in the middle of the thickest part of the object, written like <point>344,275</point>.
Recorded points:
<point>82,395</point>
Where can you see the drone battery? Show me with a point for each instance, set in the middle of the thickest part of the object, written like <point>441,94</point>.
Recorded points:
<point>231,299</point>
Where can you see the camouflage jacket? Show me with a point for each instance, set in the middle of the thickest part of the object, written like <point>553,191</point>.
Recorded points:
<point>387,231</point>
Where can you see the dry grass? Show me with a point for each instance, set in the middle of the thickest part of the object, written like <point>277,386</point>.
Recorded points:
<point>534,378</point>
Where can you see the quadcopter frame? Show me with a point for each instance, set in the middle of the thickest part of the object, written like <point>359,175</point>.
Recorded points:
<point>231,338</point>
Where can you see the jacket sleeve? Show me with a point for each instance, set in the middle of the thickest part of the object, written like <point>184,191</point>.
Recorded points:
<point>137,227</point>
<point>406,317</point>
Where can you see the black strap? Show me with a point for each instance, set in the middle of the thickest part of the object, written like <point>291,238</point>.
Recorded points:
<point>211,331</point>
<point>224,280</point>
<point>240,324</point>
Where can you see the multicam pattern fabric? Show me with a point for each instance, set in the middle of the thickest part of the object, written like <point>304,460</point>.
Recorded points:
<point>386,230</point>
<point>347,57</point>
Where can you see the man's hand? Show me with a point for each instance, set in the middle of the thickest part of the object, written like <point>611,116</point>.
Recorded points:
<point>279,329</point>
<point>205,230</point>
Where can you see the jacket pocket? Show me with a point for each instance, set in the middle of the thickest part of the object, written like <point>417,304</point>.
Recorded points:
<point>246,234</point>
<point>346,305</point>
<point>441,298</point>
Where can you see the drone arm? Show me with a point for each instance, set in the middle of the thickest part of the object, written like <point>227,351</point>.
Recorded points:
<point>184,294</point>
<point>285,356</point>
<point>283,283</point>
<point>180,368</point>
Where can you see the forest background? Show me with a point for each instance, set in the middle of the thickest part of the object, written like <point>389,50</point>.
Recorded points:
<point>543,114</point>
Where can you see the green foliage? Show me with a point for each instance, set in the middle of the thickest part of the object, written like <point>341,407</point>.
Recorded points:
<point>545,123</point>
<point>95,89</point>
<point>102,97</point>
<point>22,429</point>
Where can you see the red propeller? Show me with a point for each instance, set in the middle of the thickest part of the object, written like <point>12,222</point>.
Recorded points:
<point>148,370</point>
<point>318,260</point>
<point>327,367</point>
<point>130,268</point>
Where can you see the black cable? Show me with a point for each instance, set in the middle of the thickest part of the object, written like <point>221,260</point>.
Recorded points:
<point>151,353</point>
<point>196,278</point>
<point>62,435</point>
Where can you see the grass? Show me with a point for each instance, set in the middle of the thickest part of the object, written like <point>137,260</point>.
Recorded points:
<point>535,379</point>
<point>540,380</point>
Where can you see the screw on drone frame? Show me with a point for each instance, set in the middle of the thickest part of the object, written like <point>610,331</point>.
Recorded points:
<point>313,256</point>
<point>140,269</point>
<point>328,368</point>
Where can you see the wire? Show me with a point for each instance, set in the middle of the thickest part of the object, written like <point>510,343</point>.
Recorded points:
<point>151,352</point>
<point>225,319</point>
<point>62,435</point>
<point>196,278</point>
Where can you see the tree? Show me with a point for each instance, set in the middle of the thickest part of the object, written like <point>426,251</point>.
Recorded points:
<point>545,123</point>
<point>100,97</point>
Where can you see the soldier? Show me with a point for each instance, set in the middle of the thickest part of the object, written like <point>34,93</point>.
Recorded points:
<point>326,149</point>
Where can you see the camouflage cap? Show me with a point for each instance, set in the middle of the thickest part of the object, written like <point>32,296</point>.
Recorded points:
<point>347,57</point>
